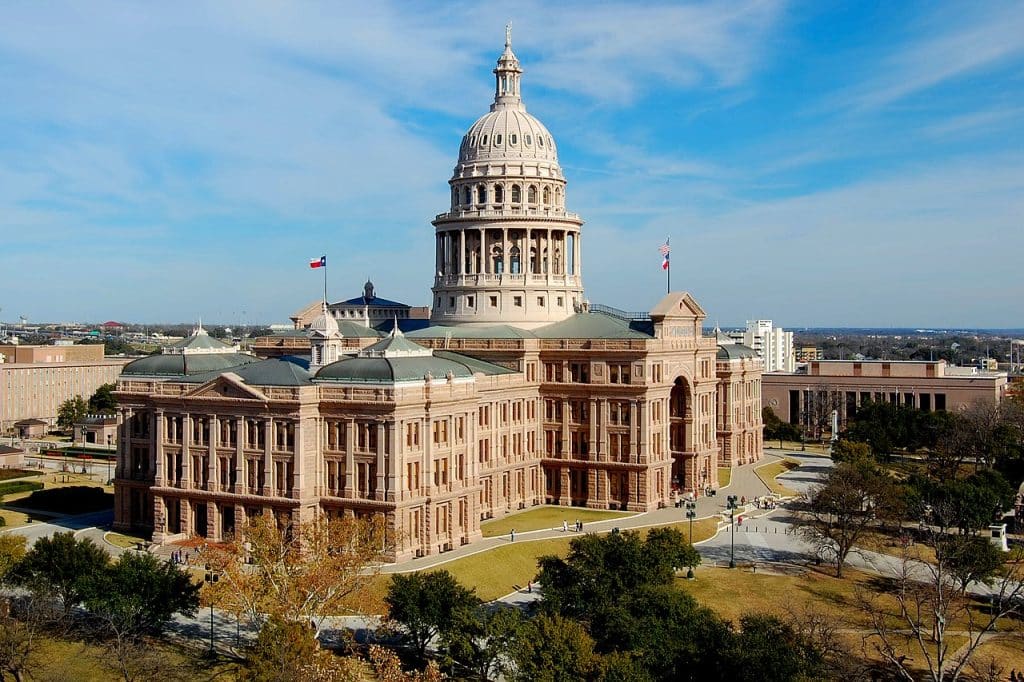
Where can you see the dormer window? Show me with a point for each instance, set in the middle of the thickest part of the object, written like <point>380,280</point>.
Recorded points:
<point>529,140</point>
<point>540,140</point>
<point>512,139</point>
<point>483,140</point>
<point>497,140</point>
<point>472,141</point>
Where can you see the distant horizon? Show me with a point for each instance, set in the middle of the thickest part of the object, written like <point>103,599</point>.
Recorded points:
<point>819,161</point>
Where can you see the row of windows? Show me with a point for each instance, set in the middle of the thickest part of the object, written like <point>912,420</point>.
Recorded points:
<point>517,302</point>
<point>513,140</point>
<point>515,194</point>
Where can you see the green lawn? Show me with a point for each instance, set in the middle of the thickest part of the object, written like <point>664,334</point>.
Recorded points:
<point>768,472</point>
<point>724,476</point>
<point>123,541</point>
<point>495,573</point>
<point>541,518</point>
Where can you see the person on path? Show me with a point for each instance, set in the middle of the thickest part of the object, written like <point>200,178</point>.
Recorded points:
<point>565,525</point>
<point>577,525</point>
<point>512,535</point>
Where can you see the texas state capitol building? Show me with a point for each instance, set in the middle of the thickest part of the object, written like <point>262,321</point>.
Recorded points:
<point>518,393</point>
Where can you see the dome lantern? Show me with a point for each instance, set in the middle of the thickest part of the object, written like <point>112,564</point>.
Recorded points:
<point>507,75</point>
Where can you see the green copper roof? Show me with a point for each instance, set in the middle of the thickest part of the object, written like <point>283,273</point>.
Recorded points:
<point>394,344</point>
<point>391,370</point>
<point>735,351</point>
<point>593,325</point>
<point>284,371</point>
<point>475,364</point>
<point>186,365</point>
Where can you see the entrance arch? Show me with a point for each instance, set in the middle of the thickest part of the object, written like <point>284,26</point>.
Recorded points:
<point>680,413</point>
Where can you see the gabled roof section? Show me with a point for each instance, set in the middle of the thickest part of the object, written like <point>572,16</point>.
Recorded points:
<point>395,345</point>
<point>227,385</point>
<point>375,302</point>
<point>678,304</point>
<point>593,325</point>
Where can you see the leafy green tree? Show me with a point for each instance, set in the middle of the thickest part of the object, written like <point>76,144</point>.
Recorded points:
<point>767,649</point>
<point>668,633</point>
<point>603,568</point>
<point>969,558</point>
<point>103,401</point>
<point>481,642</point>
<point>970,503</point>
<point>71,411</point>
<point>554,649</point>
<point>140,594</point>
<point>63,567</point>
<point>429,605</point>
<point>850,451</point>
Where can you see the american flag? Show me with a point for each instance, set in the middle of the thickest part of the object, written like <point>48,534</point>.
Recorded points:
<point>663,250</point>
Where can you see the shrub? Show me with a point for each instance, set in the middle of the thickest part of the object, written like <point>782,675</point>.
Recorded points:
<point>19,487</point>
<point>77,499</point>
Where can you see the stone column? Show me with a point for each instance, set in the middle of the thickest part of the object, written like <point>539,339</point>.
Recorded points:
<point>482,266</point>
<point>213,473</point>
<point>350,458</point>
<point>394,477</point>
<point>240,434</point>
<point>378,493</point>
<point>268,458</point>
<point>160,476</point>
<point>505,261</point>
<point>186,453</point>
<point>462,252</point>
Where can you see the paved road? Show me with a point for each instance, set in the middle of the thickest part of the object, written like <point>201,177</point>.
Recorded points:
<point>88,525</point>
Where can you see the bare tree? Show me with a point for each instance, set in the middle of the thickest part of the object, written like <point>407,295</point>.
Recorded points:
<point>853,497</point>
<point>927,617</point>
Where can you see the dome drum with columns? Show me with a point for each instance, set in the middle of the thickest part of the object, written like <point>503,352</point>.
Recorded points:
<point>507,251</point>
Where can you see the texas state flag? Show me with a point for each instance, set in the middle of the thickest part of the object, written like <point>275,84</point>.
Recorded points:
<point>320,262</point>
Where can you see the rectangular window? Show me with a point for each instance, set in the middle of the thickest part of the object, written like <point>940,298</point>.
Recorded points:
<point>517,301</point>
<point>494,301</point>
<point>470,301</point>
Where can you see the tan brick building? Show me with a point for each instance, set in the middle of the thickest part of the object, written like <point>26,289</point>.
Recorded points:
<point>35,380</point>
<point>924,384</point>
<point>520,394</point>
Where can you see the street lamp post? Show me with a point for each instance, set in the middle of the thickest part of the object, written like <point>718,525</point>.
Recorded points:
<point>691,513</point>
<point>732,504</point>
<point>211,578</point>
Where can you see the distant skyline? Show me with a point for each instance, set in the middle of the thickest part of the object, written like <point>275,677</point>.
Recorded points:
<point>822,164</point>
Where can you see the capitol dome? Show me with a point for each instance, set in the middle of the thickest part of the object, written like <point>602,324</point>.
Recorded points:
<point>505,134</point>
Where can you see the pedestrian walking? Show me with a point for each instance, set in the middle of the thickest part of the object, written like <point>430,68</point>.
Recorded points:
<point>577,525</point>
<point>512,535</point>
<point>580,524</point>
<point>565,525</point>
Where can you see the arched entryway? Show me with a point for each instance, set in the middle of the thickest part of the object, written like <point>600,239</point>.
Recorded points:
<point>680,412</point>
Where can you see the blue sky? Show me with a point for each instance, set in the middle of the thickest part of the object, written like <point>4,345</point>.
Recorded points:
<point>817,163</point>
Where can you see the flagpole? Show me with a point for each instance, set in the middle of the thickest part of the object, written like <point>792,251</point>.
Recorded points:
<point>325,284</point>
<point>668,270</point>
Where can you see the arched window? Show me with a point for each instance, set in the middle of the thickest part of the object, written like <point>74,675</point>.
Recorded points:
<point>513,260</point>
<point>481,194</point>
<point>540,140</point>
<point>529,139</point>
<point>558,197</point>
<point>467,196</point>
<point>483,140</point>
<point>531,194</point>
<point>497,260</point>
<point>499,194</point>
<point>547,196</point>
<point>517,194</point>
